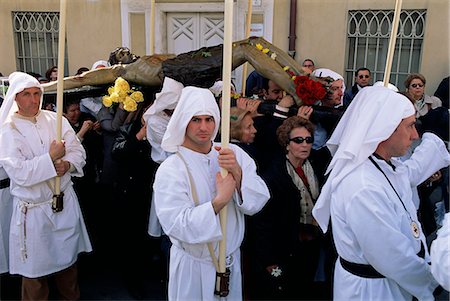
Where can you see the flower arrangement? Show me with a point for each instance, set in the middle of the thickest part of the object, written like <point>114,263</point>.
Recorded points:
<point>122,93</point>
<point>307,89</point>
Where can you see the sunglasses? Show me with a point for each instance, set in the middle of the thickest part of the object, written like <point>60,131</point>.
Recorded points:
<point>417,85</point>
<point>299,140</point>
<point>363,76</point>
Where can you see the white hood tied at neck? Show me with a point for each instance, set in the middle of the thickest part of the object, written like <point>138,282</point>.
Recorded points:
<point>371,118</point>
<point>193,102</point>
<point>18,81</point>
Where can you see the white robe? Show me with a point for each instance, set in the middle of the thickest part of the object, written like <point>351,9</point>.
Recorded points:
<point>52,240</point>
<point>190,227</point>
<point>370,226</point>
<point>440,254</point>
<point>5,220</point>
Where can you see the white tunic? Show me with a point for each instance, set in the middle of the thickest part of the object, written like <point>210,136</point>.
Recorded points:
<point>190,227</point>
<point>370,226</point>
<point>440,254</point>
<point>41,241</point>
<point>5,220</point>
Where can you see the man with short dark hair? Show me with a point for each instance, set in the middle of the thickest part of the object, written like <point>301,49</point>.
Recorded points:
<point>362,79</point>
<point>309,64</point>
<point>189,192</point>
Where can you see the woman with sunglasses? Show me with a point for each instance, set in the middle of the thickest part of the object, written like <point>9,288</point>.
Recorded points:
<point>415,87</point>
<point>285,237</point>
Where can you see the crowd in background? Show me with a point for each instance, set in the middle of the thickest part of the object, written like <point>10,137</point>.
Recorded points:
<point>285,255</point>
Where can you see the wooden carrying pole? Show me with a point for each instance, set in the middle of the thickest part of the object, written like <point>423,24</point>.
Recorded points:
<point>60,85</point>
<point>247,35</point>
<point>225,124</point>
<point>152,28</point>
<point>392,40</point>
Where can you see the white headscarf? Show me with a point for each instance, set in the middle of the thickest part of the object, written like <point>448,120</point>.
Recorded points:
<point>193,102</point>
<point>100,63</point>
<point>18,81</point>
<point>371,118</point>
<point>324,72</point>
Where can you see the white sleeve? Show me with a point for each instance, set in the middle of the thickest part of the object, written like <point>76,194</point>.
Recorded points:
<point>440,255</point>
<point>430,156</point>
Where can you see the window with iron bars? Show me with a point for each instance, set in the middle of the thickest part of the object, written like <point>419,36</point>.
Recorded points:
<point>368,34</point>
<point>36,36</point>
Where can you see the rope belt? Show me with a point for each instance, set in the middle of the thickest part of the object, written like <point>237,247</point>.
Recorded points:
<point>24,206</point>
<point>5,183</point>
<point>368,271</point>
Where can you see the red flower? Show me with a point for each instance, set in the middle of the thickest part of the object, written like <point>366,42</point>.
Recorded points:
<point>308,90</point>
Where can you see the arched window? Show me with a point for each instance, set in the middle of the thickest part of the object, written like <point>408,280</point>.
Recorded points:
<point>368,33</point>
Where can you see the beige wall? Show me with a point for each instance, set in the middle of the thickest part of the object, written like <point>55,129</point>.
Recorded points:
<point>92,30</point>
<point>322,25</point>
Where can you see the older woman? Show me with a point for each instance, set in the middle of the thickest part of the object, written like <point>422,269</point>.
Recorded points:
<point>242,131</point>
<point>415,87</point>
<point>285,237</point>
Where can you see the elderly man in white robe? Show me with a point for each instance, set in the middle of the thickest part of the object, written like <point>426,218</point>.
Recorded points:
<point>189,193</point>
<point>379,240</point>
<point>42,242</point>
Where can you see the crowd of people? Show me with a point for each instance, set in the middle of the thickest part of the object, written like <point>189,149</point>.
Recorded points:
<point>340,199</point>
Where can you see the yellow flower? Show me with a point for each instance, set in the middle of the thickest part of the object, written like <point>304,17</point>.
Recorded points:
<point>121,86</point>
<point>110,90</point>
<point>106,100</point>
<point>115,98</point>
<point>273,56</point>
<point>265,50</point>
<point>286,68</point>
<point>259,46</point>
<point>236,95</point>
<point>137,96</point>
<point>129,104</point>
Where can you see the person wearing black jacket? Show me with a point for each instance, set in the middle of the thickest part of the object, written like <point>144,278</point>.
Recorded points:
<point>284,237</point>
<point>131,207</point>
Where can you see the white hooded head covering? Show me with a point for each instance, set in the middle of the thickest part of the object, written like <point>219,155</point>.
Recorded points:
<point>100,64</point>
<point>324,72</point>
<point>18,81</point>
<point>390,86</point>
<point>167,99</point>
<point>193,102</point>
<point>371,118</point>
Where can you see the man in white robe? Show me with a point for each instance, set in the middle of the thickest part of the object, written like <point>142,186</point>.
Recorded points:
<point>192,226</point>
<point>379,240</point>
<point>42,242</point>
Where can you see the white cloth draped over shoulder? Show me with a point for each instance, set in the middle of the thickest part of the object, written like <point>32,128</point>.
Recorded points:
<point>41,241</point>
<point>372,117</point>
<point>370,224</point>
<point>191,227</point>
<point>157,120</point>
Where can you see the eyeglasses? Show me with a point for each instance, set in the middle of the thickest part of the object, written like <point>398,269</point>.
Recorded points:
<point>307,66</point>
<point>417,85</point>
<point>363,76</point>
<point>299,140</point>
